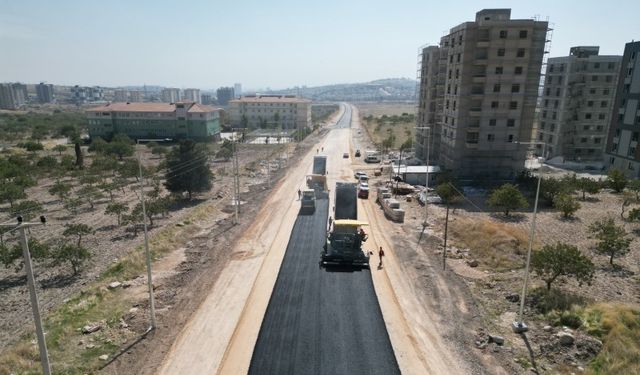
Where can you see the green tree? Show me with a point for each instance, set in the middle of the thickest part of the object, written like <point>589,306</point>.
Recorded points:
<point>612,239</point>
<point>91,194</point>
<point>72,205</point>
<point>98,145</point>
<point>73,133</point>
<point>117,209</point>
<point>562,260</point>
<point>75,255</point>
<point>129,168</point>
<point>567,204</point>
<point>244,121</point>
<point>10,254</point>
<point>27,209</point>
<point>447,192</point>
<point>634,215</point>
<point>226,150</point>
<point>587,185</point>
<point>31,146</point>
<point>60,149</point>
<point>77,230</point>
<point>60,189</point>
<point>10,192</point>
<point>47,163</point>
<point>188,170</point>
<point>120,146</point>
<point>617,180</point>
<point>508,198</point>
<point>406,145</point>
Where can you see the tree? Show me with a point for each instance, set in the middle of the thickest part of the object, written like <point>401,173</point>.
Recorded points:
<point>10,192</point>
<point>31,146</point>
<point>187,169</point>
<point>120,146</point>
<point>567,204</point>
<point>634,215</point>
<point>612,241</point>
<point>90,193</point>
<point>634,186</point>
<point>60,189</point>
<point>98,145</point>
<point>587,185</point>
<point>508,198</point>
<point>27,209</point>
<point>10,254</point>
<point>134,218</point>
<point>73,133</point>
<point>60,149</point>
<point>562,260</point>
<point>617,180</point>
<point>226,150</point>
<point>77,230</point>
<point>129,168</point>
<point>447,192</point>
<point>117,209</point>
<point>75,255</point>
<point>406,145</point>
<point>47,163</point>
<point>244,121</point>
<point>72,205</point>
<point>159,150</point>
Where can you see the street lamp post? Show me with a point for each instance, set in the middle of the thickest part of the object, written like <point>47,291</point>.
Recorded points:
<point>519,326</point>
<point>152,304</point>
<point>426,185</point>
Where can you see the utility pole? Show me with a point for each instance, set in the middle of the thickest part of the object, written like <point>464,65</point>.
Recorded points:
<point>236,182</point>
<point>446,228</point>
<point>35,307</point>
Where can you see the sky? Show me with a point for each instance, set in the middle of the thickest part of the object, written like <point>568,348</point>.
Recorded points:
<point>263,44</point>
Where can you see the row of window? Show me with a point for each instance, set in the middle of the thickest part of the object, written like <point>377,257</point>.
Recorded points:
<point>587,116</point>
<point>631,152</point>
<point>473,138</point>
<point>630,166</point>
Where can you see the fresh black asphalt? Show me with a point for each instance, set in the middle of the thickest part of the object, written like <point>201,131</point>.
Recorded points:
<point>321,321</point>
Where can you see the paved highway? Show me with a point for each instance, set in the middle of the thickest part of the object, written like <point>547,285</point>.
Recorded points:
<point>321,321</point>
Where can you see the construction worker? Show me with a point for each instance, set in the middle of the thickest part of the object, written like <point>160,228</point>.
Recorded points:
<point>380,255</point>
<point>330,221</point>
<point>363,235</point>
<point>299,194</point>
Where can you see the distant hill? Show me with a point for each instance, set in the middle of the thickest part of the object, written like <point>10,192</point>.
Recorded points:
<point>389,89</point>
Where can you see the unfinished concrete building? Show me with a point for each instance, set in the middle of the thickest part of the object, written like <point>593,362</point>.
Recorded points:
<point>491,70</point>
<point>575,109</point>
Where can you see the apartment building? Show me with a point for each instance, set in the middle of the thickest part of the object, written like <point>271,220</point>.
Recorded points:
<point>136,96</point>
<point>432,76</point>
<point>192,95</point>
<point>170,95</point>
<point>155,120</point>
<point>491,78</point>
<point>81,94</point>
<point>121,96</point>
<point>270,111</point>
<point>12,95</point>
<point>225,94</point>
<point>576,104</point>
<point>44,92</point>
<point>624,131</point>
<point>237,90</point>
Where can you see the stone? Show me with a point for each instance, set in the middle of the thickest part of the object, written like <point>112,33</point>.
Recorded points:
<point>103,357</point>
<point>91,328</point>
<point>90,346</point>
<point>589,345</point>
<point>547,328</point>
<point>473,263</point>
<point>566,339</point>
<point>512,297</point>
<point>133,310</point>
<point>127,284</point>
<point>499,340</point>
<point>114,285</point>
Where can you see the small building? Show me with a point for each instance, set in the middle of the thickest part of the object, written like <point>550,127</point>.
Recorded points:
<point>416,174</point>
<point>182,120</point>
<point>44,92</point>
<point>271,111</point>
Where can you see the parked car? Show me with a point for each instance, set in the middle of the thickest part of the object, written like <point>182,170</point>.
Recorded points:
<point>357,153</point>
<point>345,155</point>
<point>358,174</point>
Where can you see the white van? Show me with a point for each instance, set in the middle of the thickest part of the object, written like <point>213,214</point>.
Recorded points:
<point>372,157</point>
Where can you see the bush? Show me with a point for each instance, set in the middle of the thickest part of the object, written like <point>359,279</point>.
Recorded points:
<point>546,301</point>
<point>571,318</point>
<point>567,204</point>
<point>617,180</point>
<point>508,198</point>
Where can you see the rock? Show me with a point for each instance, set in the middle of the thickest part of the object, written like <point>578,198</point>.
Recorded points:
<point>127,284</point>
<point>499,340</point>
<point>547,328</point>
<point>590,346</point>
<point>473,263</point>
<point>103,357</point>
<point>566,339</point>
<point>91,328</point>
<point>580,368</point>
<point>114,285</point>
<point>133,310</point>
<point>90,346</point>
<point>513,297</point>
<point>123,324</point>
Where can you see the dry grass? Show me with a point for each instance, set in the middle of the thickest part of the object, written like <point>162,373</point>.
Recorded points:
<point>389,109</point>
<point>618,325</point>
<point>497,246</point>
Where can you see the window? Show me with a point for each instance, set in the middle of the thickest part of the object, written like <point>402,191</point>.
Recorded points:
<point>611,65</point>
<point>550,68</point>
<point>548,91</point>
<point>559,80</point>
<point>554,115</point>
<point>515,88</point>
<point>594,78</point>
<point>553,127</point>
<point>587,116</point>
<point>510,138</point>
<point>603,104</point>
<point>590,103</point>
<point>596,65</point>
<point>503,34</point>
<point>632,151</point>
<point>496,87</point>
<point>520,52</point>
<point>500,52</point>
<point>499,70</point>
<point>592,91</point>
<point>605,92</point>
<point>612,160</point>
<point>597,140</point>
<point>523,34</point>
<point>550,139</point>
<point>460,39</point>
<point>458,58</point>
<point>556,103</point>
<point>608,78</point>
<point>472,137</point>
<point>546,102</point>
<point>587,127</point>
<point>455,90</point>
<point>457,73</point>
<point>450,71</point>
<point>451,59</point>
<point>454,105</point>
<point>492,122</point>
<point>513,105</point>
<point>544,114</point>
<point>511,123</point>
<point>599,128</point>
<point>542,125</point>
<point>634,137</point>
<point>491,137</point>
<point>558,91</point>
<point>518,70</point>
<point>583,140</point>
<point>630,165</point>
<point>494,104</point>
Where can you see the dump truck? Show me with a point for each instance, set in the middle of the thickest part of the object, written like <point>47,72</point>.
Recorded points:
<point>320,165</point>
<point>317,182</point>
<point>344,242</point>
<point>308,201</point>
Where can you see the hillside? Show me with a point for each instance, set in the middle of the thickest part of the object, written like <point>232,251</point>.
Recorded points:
<point>390,89</point>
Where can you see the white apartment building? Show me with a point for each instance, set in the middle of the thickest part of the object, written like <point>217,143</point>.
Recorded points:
<point>270,111</point>
<point>192,95</point>
<point>170,95</point>
<point>121,96</point>
<point>136,96</point>
<point>576,104</point>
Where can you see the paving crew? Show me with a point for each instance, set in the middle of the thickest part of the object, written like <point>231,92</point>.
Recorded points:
<point>363,235</point>
<point>380,254</point>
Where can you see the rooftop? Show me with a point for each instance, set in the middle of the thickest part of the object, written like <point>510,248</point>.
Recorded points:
<point>151,107</point>
<point>270,99</point>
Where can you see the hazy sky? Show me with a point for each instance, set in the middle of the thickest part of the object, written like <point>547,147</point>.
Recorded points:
<point>263,43</point>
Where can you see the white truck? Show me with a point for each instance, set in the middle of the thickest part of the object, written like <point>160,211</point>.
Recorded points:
<point>372,156</point>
